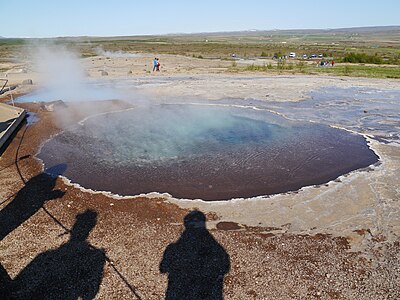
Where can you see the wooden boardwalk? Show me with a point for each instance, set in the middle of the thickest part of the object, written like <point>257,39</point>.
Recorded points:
<point>10,118</point>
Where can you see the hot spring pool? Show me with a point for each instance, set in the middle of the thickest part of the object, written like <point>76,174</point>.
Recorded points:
<point>201,151</point>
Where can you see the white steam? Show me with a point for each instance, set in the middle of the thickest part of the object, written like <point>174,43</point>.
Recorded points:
<point>121,54</point>
<point>63,77</point>
<point>61,73</point>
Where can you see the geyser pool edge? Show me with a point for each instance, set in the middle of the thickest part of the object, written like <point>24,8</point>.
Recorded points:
<point>203,152</point>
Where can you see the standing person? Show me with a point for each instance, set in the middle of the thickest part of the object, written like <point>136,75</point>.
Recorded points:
<point>158,65</point>
<point>155,61</point>
<point>333,63</point>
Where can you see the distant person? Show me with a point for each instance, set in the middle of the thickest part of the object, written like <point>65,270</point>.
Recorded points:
<point>196,264</point>
<point>333,63</point>
<point>155,62</point>
<point>158,65</point>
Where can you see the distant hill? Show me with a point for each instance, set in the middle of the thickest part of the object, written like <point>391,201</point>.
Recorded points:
<point>256,32</point>
<point>374,30</point>
<point>388,35</point>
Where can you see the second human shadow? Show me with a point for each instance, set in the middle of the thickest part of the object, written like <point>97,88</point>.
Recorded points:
<point>196,264</point>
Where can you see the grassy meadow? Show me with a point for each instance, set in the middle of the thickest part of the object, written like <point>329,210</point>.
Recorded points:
<point>365,52</point>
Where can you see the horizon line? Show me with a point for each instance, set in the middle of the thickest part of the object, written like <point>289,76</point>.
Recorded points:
<point>191,33</point>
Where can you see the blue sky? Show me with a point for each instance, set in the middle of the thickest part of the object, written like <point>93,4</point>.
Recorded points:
<point>51,18</point>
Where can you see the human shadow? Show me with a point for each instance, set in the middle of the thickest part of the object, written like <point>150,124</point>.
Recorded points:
<point>73,271</point>
<point>196,264</point>
<point>30,199</point>
<point>5,283</point>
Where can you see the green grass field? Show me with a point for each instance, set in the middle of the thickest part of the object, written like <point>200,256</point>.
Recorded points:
<point>380,45</point>
<point>372,71</point>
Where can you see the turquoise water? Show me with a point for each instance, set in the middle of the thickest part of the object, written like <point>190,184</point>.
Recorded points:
<point>200,151</point>
<point>169,132</point>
